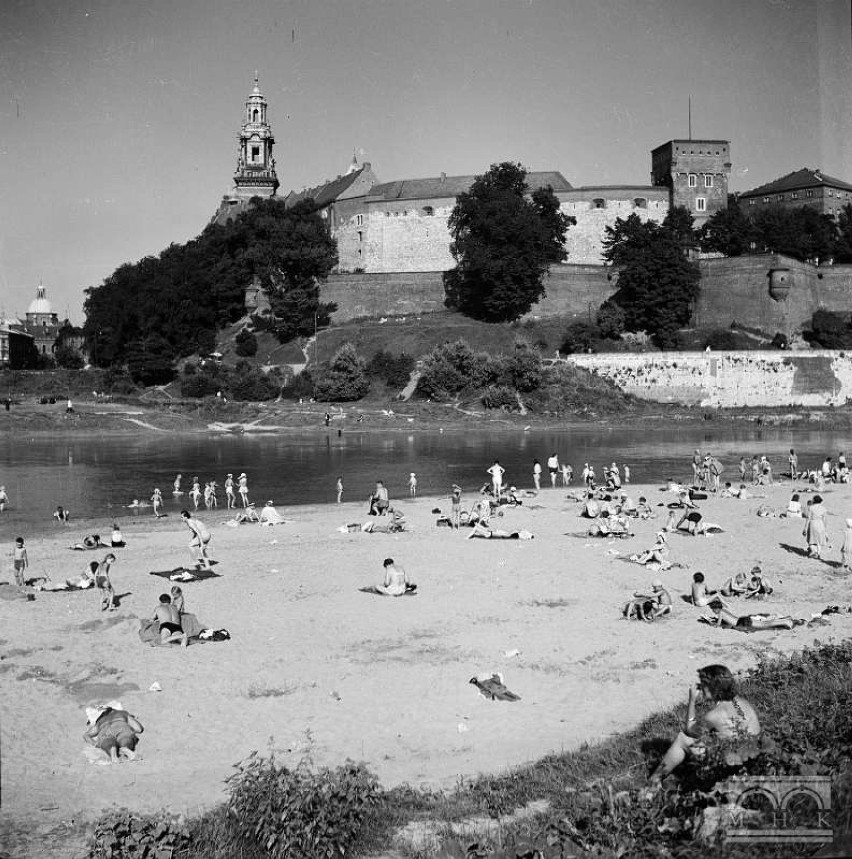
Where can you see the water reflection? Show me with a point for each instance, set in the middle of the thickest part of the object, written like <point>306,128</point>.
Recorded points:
<point>98,476</point>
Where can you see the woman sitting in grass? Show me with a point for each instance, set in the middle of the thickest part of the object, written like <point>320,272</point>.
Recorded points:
<point>731,718</point>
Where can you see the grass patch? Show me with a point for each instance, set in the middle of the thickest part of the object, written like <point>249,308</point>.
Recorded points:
<point>592,807</point>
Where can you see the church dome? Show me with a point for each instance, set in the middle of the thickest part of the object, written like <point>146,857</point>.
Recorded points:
<point>40,304</point>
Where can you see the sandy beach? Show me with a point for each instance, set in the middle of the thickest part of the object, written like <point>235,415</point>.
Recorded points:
<point>316,667</point>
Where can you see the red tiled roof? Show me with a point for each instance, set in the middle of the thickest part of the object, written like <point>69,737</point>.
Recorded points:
<point>804,178</point>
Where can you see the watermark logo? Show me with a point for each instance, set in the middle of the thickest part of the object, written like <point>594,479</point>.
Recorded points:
<point>776,810</point>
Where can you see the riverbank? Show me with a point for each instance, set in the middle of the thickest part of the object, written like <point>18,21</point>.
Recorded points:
<point>101,416</point>
<point>316,667</point>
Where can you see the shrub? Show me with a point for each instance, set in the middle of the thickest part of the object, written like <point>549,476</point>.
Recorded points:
<point>299,813</point>
<point>394,371</point>
<point>345,379</point>
<point>500,397</point>
<point>830,330</point>
<point>245,343</point>
<point>300,386</point>
<point>121,833</point>
<point>524,368</point>
<point>610,320</point>
<point>447,370</point>
<point>117,381</point>
<point>251,383</point>
<point>580,338</point>
<point>198,385</point>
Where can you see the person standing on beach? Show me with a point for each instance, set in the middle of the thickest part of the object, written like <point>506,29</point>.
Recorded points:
<point>626,470</point>
<point>176,490</point>
<point>793,462</point>
<point>340,489</point>
<point>230,498</point>
<point>496,471</point>
<point>696,467</point>
<point>412,485</point>
<point>4,498</point>
<point>567,474</point>
<point>195,492</point>
<point>537,474</point>
<point>157,501</point>
<point>20,561</point>
<point>200,539</point>
<point>243,489</point>
<point>455,516</point>
<point>208,495</point>
<point>553,468</point>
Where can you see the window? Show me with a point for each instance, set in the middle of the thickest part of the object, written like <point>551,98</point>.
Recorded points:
<point>794,196</point>
<point>780,198</point>
<point>830,192</point>
<point>708,180</point>
<point>254,116</point>
<point>359,220</point>
<point>810,193</point>
<point>598,203</point>
<point>640,203</point>
<point>692,180</point>
<point>360,236</point>
<point>701,204</point>
<point>766,199</point>
<point>255,153</point>
<point>751,202</point>
<point>387,214</point>
<point>428,211</point>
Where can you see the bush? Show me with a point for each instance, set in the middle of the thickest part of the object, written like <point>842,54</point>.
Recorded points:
<point>448,370</point>
<point>300,814</point>
<point>345,379</point>
<point>524,368</point>
<point>68,358</point>
<point>251,383</point>
<point>610,320</point>
<point>245,343</point>
<point>580,338</point>
<point>198,385</point>
<point>299,387</point>
<point>830,330</point>
<point>123,833</point>
<point>392,370</point>
<point>500,397</point>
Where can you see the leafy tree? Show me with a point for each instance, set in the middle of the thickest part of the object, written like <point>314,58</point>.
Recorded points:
<point>346,377</point>
<point>394,371</point>
<point>610,320</point>
<point>503,241</point>
<point>452,368</point>
<point>727,231</point>
<point>150,361</point>
<point>830,330</point>
<point>523,368</point>
<point>843,247</point>
<point>245,343</point>
<point>68,358</point>
<point>802,233</point>
<point>580,338</point>
<point>657,284</point>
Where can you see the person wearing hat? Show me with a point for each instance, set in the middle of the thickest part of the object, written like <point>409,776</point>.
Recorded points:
<point>649,607</point>
<point>243,489</point>
<point>270,516</point>
<point>656,554</point>
<point>229,492</point>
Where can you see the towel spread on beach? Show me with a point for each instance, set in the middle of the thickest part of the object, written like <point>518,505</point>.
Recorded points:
<point>179,574</point>
<point>410,591</point>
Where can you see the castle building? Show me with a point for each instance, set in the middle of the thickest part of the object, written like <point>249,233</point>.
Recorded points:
<point>803,187</point>
<point>42,323</point>
<point>402,226</point>
<point>255,175</point>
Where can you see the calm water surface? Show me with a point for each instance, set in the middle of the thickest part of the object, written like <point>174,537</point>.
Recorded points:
<point>96,477</point>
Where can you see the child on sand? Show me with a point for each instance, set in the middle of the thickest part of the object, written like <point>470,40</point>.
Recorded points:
<point>104,583</point>
<point>19,561</point>
<point>455,516</point>
<point>412,485</point>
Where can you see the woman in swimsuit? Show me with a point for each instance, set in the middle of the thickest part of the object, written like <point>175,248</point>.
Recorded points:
<point>731,718</point>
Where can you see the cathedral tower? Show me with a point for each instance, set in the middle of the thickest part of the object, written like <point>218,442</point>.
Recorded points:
<point>255,176</point>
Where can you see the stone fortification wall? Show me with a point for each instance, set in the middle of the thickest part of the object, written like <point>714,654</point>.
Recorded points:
<point>732,290</point>
<point>729,379</point>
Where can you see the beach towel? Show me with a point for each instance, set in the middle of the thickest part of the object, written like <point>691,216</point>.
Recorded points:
<point>410,591</point>
<point>149,630</point>
<point>180,574</point>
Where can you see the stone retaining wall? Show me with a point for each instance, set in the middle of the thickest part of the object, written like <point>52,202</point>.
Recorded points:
<point>729,379</point>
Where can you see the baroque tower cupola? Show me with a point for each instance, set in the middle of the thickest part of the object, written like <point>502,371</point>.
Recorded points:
<point>255,176</point>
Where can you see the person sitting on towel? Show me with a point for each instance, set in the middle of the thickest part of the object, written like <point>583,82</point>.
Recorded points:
<point>396,579</point>
<point>168,617</point>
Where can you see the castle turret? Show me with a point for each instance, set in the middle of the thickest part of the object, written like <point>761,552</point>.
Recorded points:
<point>255,176</point>
<point>696,174</point>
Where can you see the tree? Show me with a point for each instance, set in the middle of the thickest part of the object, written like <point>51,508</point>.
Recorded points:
<point>503,241</point>
<point>727,231</point>
<point>843,247</point>
<point>802,233</point>
<point>68,357</point>
<point>657,284</point>
<point>245,343</point>
<point>345,379</point>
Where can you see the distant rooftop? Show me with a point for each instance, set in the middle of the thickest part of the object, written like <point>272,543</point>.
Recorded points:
<point>452,186</point>
<point>804,178</point>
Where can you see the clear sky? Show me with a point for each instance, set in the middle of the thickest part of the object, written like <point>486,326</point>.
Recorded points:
<point>118,118</point>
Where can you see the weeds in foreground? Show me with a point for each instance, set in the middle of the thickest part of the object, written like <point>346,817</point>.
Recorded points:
<point>805,702</point>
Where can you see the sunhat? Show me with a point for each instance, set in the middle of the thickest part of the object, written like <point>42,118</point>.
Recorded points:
<point>657,584</point>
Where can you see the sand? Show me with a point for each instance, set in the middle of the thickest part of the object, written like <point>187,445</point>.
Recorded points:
<point>314,667</point>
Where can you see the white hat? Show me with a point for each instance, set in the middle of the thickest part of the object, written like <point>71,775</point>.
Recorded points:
<point>243,474</point>
<point>657,584</point>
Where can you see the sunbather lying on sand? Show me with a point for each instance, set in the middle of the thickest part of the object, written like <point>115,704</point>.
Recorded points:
<point>724,617</point>
<point>115,732</point>
<point>485,533</point>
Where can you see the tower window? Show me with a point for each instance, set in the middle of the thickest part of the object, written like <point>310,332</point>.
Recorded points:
<point>598,203</point>
<point>708,180</point>
<point>701,204</point>
<point>810,193</point>
<point>692,180</point>
<point>359,220</point>
<point>428,210</point>
<point>794,196</point>
<point>766,199</point>
<point>255,153</point>
<point>751,202</point>
<point>360,236</point>
<point>640,203</point>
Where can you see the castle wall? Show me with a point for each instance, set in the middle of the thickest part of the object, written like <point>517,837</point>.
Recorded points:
<point>732,290</point>
<point>729,379</point>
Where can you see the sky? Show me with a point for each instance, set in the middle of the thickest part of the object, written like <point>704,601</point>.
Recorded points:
<point>118,118</point>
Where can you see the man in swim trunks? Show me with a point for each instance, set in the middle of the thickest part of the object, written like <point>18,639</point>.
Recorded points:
<point>168,617</point>
<point>116,733</point>
<point>200,538</point>
<point>553,468</point>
